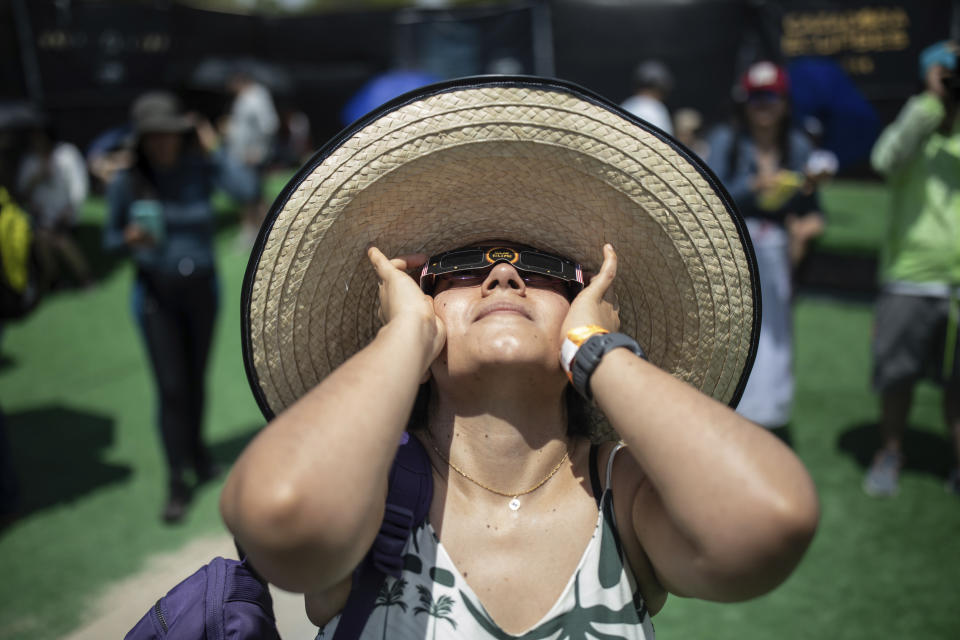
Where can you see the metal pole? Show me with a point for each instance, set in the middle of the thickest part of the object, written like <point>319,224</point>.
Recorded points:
<point>955,20</point>
<point>28,53</point>
<point>543,39</point>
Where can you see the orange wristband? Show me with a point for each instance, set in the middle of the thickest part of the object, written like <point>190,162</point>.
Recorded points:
<point>571,344</point>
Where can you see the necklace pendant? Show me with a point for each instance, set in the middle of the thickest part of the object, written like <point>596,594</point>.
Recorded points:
<point>514,504</point>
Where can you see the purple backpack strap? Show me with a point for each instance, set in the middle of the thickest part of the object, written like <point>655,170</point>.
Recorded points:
<point>408,501</point>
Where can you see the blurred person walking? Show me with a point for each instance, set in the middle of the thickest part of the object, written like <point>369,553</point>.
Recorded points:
<point>761,160</point>
<point>249,138</point>
<point>159,210</point>
<point>915,332</point>
<point>652,84</point>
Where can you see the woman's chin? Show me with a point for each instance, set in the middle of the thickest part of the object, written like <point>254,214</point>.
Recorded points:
<point>506,364</point>
<point>506,345</point>
<point>511,347</point>
<point>503,352</point>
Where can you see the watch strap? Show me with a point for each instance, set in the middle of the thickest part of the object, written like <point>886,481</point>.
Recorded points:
<point>592,351</point>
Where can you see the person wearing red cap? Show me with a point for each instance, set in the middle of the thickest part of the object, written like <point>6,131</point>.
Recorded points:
<point>761,161</point>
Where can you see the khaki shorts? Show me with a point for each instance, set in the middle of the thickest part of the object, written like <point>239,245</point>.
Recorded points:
<point>909,340</point>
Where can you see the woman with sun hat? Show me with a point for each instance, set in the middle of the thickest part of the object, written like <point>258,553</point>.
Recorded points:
<point>560,304</point>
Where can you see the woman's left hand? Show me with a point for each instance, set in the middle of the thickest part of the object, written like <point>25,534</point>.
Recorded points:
<point>596,304</point>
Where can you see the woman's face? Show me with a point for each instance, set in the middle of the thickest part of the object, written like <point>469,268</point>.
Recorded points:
<point>765,109</point>
<point>502,318</point>
<point>162,149</point>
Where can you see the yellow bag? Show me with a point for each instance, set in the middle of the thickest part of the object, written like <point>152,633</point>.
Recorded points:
<point>16,238</point>
<point>786,186</point>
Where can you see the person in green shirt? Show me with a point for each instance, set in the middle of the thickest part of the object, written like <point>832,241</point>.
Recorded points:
<point>915,324</point>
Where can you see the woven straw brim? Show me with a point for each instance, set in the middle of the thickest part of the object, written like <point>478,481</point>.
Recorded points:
<point>538,162</point>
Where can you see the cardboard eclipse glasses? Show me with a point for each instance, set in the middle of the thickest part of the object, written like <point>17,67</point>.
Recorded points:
<point>475,259</point>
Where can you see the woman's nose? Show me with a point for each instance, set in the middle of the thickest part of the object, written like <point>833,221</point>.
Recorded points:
<point>503,275</point>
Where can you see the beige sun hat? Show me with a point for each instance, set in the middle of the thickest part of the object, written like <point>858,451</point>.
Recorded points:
<point>540,162</point>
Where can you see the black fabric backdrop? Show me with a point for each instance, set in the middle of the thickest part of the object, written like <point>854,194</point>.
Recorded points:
<point>93,57</point>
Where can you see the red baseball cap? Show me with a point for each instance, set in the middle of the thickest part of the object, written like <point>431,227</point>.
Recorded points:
<point>765,76</point>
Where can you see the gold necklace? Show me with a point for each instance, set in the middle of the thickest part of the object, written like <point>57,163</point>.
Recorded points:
<point>515,497</point>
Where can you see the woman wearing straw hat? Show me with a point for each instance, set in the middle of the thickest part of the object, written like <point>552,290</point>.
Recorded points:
<point>542,521</point>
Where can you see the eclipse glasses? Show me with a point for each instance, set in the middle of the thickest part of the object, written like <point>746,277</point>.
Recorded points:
<point>475,259</point>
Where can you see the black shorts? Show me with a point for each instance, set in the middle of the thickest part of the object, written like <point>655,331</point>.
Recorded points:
<point>909,340</point>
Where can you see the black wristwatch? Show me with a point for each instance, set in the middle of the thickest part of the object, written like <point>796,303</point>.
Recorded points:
<point>591,353</point>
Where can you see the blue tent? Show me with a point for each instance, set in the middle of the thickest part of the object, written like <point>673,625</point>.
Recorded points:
<point>820,88</point>
<point>383,88</point>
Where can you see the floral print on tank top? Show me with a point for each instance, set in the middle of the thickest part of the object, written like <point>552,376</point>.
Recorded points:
<point>432,601</point>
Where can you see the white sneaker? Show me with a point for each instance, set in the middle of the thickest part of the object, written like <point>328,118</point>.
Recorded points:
<point>883,477</point>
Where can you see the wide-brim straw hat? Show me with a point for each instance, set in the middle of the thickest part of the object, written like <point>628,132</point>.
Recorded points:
<point>540,162</point>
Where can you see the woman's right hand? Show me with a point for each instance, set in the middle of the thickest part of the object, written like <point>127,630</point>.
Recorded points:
<point>402,299</point>
<point>136,236</point>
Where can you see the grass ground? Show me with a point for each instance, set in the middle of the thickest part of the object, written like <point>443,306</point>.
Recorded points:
<point>856,216</point>
<point>78,398</point>
<point>79,404</point>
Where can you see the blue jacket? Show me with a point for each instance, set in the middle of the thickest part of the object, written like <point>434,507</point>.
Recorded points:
<point>737,178</point>
<point>181,197</point>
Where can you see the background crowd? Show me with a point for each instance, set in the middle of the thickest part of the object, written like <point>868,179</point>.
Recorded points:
<point>159,172</point>
<point>772,167</point>
<point>163,175</point>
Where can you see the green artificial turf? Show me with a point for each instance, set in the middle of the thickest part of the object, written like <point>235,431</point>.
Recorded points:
<point>79,404</point>
<point>79,401</point>
<point>856,216</point>
<point>877,568</point>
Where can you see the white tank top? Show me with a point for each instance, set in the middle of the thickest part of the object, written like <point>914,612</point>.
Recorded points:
<point>431,600</point>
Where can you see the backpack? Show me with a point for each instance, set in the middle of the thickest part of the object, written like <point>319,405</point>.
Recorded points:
<point>223,599</point>
<point>18,287</point>
<point>228,600</point>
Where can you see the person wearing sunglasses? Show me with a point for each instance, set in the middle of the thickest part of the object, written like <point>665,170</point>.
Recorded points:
<point>445,273</point>
<point>468,267</point>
